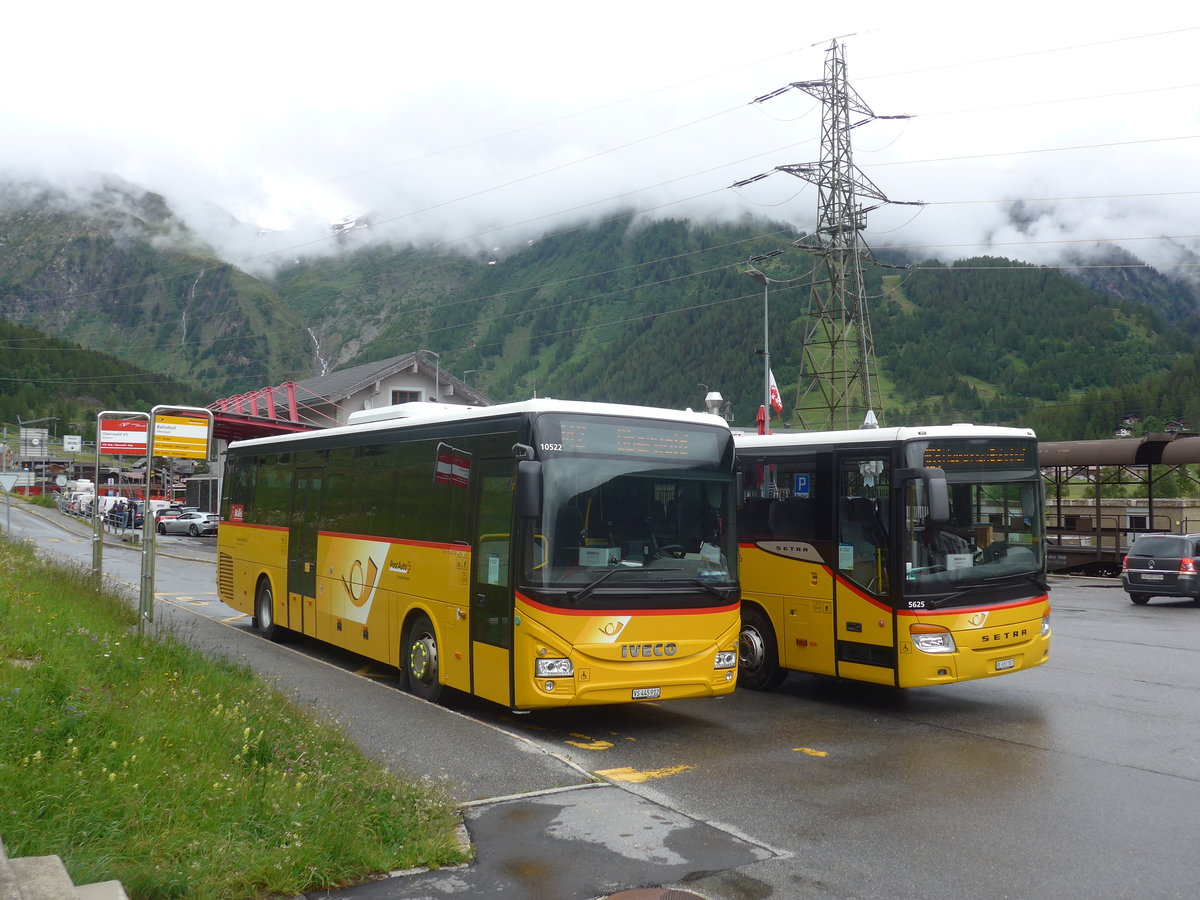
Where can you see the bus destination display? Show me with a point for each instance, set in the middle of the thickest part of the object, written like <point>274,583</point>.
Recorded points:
<point>973,455</point>
<point>631,439</point>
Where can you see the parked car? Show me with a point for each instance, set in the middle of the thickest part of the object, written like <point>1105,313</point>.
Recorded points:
<point>171,512</point>
<point>194,522</point>
<point>1162,565</point>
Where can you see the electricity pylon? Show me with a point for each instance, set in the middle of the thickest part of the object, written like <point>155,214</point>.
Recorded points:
<point>837,385</point>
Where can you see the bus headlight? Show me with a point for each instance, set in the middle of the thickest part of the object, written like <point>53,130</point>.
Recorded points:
<point>726,659</point>
<point>932,639</point>
<point>554,668</point>
<point>1045,626</point>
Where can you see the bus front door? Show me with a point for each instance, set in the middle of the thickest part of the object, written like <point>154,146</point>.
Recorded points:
<point>864,620</point>
<point>491,583</point>
<point>302,551</point>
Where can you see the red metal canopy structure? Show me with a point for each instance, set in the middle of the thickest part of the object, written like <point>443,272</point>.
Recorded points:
<point>262,413</point>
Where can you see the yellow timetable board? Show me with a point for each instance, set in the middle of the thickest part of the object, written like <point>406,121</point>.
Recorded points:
<point>181,436</point>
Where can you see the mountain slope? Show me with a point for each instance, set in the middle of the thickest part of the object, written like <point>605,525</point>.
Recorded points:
<point>114,270</point>
<point>628,310</point>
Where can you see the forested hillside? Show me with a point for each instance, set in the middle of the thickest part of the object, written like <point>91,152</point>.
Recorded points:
<point>629,310</point>
<point>637,313</point>
<point>42,376</point>
<point>120,274</point>
<point>1000,337</point>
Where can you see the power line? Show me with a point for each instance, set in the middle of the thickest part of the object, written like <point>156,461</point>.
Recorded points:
<point>914,162</point>
<point>1048,50</point>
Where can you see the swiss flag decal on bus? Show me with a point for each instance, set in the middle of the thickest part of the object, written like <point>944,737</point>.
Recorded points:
<point>452,466</point>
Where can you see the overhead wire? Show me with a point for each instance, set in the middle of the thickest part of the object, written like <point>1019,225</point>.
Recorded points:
<point>1025,55</point>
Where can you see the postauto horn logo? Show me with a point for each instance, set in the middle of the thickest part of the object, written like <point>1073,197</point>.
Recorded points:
<point>359,577</point>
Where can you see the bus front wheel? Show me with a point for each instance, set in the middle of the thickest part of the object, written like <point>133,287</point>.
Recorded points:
<point>264,612</point>
<point>758,652</point>
<point>421,659</point>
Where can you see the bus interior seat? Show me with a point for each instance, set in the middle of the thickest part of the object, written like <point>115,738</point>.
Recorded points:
<point>753,519</point>
<point>689,519</point>
<point>791,518</point>
<point>860,525</point>
<point>568,536</point>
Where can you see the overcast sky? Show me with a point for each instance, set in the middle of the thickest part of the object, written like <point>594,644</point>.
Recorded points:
<point>485,124</point>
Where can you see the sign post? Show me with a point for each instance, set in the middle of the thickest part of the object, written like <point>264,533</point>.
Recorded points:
<point>117,432</point>
<point>178,432</point>
<point>8,481</point>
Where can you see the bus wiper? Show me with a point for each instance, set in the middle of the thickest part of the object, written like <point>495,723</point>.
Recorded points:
<point>695,580</point>
<point>586,591</point>
<point>942,601</point>
<point>1032,576</point>
<point>708,587</point>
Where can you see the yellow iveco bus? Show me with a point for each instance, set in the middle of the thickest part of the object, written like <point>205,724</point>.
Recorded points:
<point>535,554</point>
<point>897,556</point>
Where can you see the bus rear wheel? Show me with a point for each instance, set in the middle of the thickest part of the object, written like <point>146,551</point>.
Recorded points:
<point>421,659</point>
<point>264,612</point>
<point>758,652</point>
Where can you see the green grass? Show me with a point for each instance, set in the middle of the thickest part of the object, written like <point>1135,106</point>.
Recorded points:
<point>140,759</point>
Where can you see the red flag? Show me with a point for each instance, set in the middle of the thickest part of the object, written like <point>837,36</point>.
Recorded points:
<point>776,400</point>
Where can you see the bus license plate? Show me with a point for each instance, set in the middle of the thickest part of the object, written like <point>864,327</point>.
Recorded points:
<point>647,693</point>
<point>1002,664</point>
<point>1154,577</point>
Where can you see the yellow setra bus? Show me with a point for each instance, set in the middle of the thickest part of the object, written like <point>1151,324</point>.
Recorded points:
<point>897,556</point>
<point>535,554</point>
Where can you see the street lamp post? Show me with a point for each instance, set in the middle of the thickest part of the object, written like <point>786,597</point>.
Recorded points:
<point>761,278</point>
<point>436,371</point>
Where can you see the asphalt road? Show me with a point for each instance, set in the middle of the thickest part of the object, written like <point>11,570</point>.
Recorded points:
<point>1077,779</point>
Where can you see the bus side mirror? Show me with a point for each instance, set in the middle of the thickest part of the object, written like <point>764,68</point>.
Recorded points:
<point>529,489</point>
<point>936,492</point>
<point>939,496</point>
<point>1030,495</point>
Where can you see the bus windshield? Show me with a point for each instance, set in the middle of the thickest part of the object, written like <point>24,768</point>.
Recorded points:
<point>993,530</point>
<point>627,505</point>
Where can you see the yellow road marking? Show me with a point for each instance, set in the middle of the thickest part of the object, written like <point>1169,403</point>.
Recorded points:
<point>633,776</point>
<point>592,745</point>
<point>810,751</point>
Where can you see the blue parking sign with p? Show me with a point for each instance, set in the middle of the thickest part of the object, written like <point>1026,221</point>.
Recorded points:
<point>800,484</point>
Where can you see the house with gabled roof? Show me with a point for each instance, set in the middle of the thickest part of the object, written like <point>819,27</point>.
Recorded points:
<point>328,400</point>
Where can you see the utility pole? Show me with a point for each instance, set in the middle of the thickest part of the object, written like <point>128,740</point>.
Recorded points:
<point>837,386</point>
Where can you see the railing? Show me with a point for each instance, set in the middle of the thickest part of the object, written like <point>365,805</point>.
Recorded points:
<point>1095,546</point>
